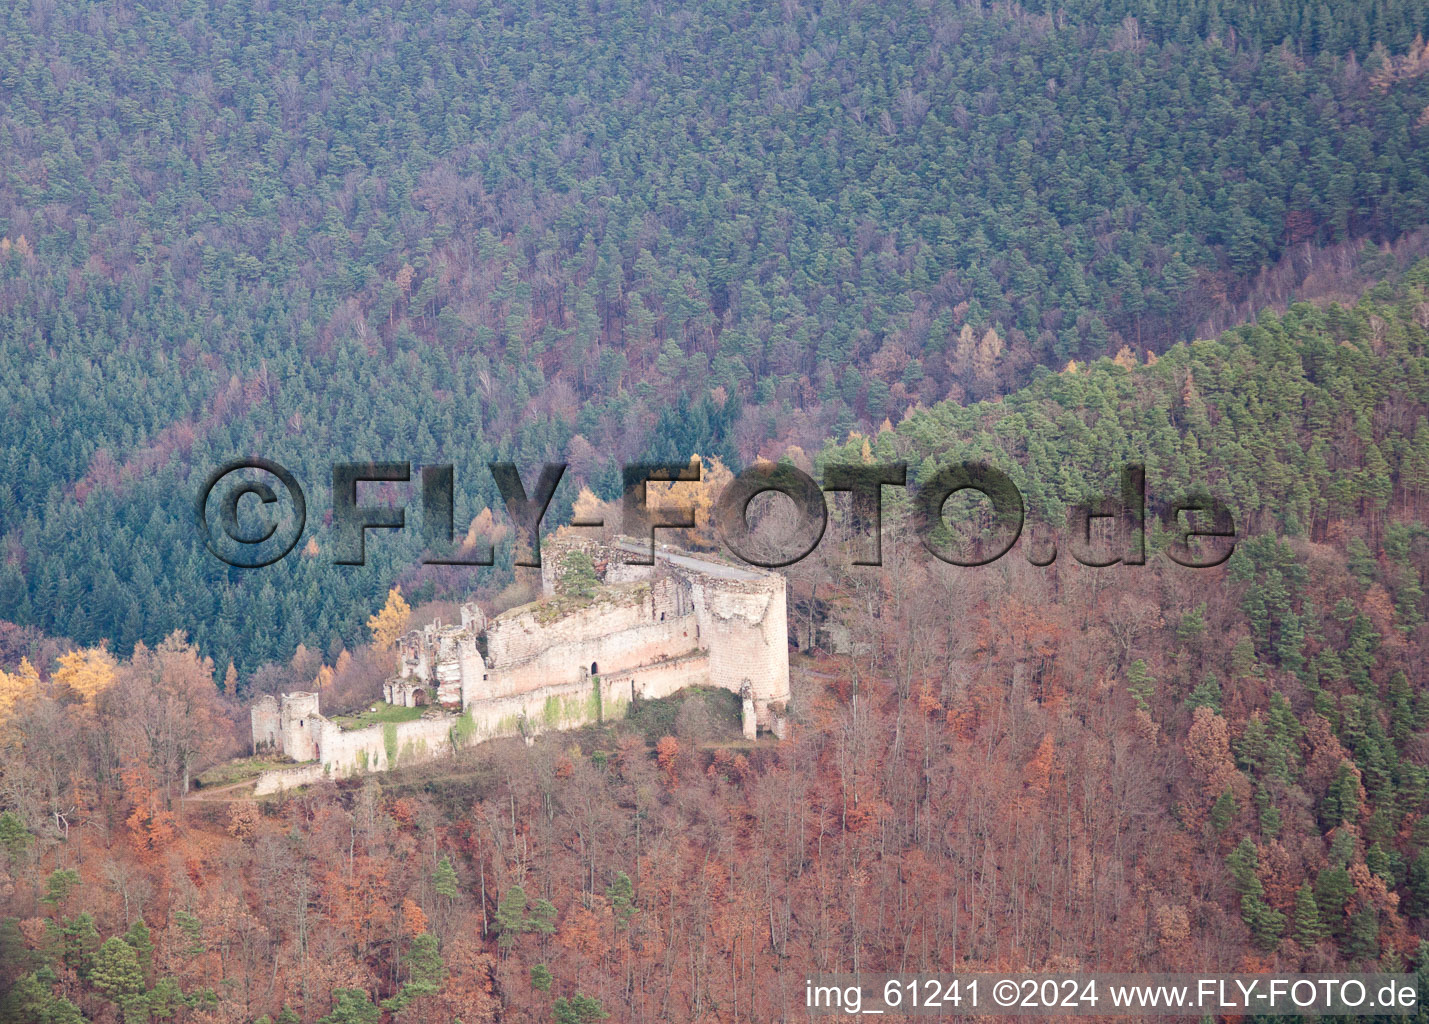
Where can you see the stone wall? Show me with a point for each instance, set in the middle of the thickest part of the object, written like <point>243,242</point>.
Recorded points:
<point>670,597</point>
<point>280,779</point>
<point>561,663</point>
<point>548,708</point>
<point>661,679</point>
<point>569,705</point>
<point>572,704</point>
<point>346,753</point>
<point>522,633</point>
<point>266,725</point>
<point>375,747</point>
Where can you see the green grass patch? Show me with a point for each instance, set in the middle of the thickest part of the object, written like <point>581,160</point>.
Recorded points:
<point>508,725</point>
<point>384,714</point>
<point>463,729</point>
<point>240,770</point>
<point>389,741</point>
<point>656,718</point>
<point>557,606</point>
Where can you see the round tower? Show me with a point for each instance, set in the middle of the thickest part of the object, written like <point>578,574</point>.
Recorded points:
<point>299,721</point>
<point>744,626</point>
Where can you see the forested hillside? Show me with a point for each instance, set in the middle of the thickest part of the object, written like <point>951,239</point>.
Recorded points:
<point>1308,425</point>
<point>596,232</point>
<point>1143,767</point>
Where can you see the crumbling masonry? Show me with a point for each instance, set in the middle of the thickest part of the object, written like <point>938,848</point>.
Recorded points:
<point>581,654</point>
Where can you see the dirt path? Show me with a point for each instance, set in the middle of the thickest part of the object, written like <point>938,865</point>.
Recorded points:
<point>227,792</point>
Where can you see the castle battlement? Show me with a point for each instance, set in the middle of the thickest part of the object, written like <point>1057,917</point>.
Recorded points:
<point>604,633</point>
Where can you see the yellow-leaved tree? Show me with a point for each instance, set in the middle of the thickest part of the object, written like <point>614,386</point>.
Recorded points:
<point>698,496</point>
<point>14,685</point>
<point>391,622</point>
<point>588,508</point>
<point>88,672</point>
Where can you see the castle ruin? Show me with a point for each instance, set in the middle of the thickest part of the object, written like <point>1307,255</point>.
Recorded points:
<point>604,633</point>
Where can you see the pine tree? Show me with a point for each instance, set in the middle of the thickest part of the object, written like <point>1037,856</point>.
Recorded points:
<point>1266,924</point>
<point>543,917</point>
<point>1140,684</point>
<point>1309,926</point>
<point>14,837</point>
<point>1223,811</point>
<point>444,880</point>
<point>140,941</point>
<point>1418,884</point>
<point>1270,821</point>
<point>81,940</point>
<point>1361,563</point>
<point>579,1009</point>
<point>424,965</point>
<point>161,1001</point>
<point>511,916</point>
<point>352,1006</point>
<point>1362,939</point>
<point>1192,627</point>
<point>426,973</point>
<point>116,970</point>
<point>31,1000</point>
<point>622,898</point>
<point>1415,471</point>
<point>1250,750</point>
<point>1342,801</point>
<point>1377,486</point>
<point>1207,694</point>
<point>1333,889</point>
<point>1377,859</point>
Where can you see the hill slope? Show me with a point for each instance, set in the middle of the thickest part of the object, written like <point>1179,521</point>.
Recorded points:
<point>609,231</point>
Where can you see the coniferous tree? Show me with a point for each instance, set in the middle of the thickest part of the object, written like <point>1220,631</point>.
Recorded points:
<point>1309,928</point>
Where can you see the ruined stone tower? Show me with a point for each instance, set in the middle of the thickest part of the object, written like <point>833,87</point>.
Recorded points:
<point>300,725</point>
